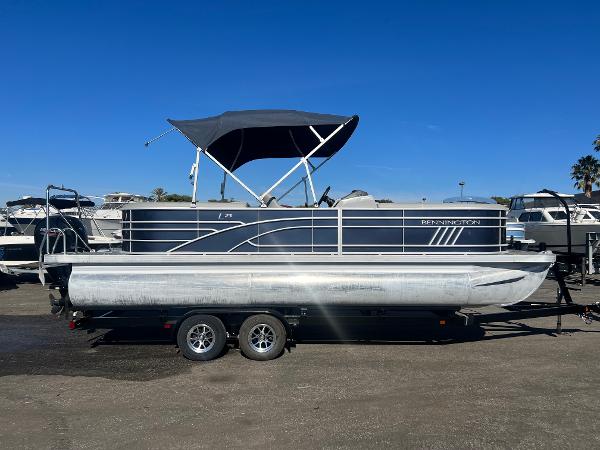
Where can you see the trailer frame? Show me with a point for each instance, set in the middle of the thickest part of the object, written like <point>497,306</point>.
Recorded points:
<point>292,316</point>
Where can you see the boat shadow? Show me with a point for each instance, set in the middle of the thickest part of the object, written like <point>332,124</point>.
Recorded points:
<point>378,332</point>
<point>43,345</point>
<point>10,282</point>
<point>7,282</point>
<point>390,332</point>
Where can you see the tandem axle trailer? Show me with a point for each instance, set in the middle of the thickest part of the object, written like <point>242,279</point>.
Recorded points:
<point>264,332</point>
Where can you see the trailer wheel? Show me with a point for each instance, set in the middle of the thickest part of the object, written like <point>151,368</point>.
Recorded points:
<point>201,338</point>
<point>262,337</point>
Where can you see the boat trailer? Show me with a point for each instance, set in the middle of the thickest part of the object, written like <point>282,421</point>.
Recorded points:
<point>293,317</point>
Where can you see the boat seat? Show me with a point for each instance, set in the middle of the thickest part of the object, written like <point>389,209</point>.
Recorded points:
<point>271,201</point>
<point>356,199</point>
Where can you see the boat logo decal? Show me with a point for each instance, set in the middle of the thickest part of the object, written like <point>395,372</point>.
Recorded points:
<point>449,235</point>
<point>455,222</point>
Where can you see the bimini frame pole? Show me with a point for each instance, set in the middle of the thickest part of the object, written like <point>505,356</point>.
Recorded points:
<point>312,188</point>
<point>195,174</point>
<point>48,216</point>
<point>230,173</point>
<point>303,179</point>
<point>304,159</point>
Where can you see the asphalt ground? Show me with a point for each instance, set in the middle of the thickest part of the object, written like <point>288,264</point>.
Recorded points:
<point>507,385</point>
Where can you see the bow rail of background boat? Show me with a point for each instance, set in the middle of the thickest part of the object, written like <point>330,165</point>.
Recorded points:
<point>237,137</point>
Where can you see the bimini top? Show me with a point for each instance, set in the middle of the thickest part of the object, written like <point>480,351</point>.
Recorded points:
<point>542,195</point>
<point>237,137</point>
<point>470,199</point>
<point>58,202</point>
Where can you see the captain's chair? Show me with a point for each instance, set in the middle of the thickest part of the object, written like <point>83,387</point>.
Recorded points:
<point>271,201</point>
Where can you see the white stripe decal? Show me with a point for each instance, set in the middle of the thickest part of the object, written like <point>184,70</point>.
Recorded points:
<point>450,235</point>
<point>458,235</point>
<point>439,241</point>
<point>434,235</point>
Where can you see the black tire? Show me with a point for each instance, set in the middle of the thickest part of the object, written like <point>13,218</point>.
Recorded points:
<point>190,338</point>
<point>262,337</point>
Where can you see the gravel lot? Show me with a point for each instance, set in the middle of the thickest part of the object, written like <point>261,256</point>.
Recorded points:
<point>518,386</point>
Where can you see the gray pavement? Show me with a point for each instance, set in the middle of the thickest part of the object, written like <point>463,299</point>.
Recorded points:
<point>519,386</point>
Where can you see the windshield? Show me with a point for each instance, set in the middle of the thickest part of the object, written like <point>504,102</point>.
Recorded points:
<point>540,202</point>
<point>594,213</point>
<point>112,205</point>
<point>558,215</point>
<point>547,202</point>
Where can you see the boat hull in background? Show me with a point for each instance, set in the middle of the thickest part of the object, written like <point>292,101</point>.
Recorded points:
<point>554,235</point>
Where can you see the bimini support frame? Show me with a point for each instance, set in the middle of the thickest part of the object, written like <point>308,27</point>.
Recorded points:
<point>303,179</point>
<point>304,160</point>
<point>230,173</point>
<point>261,198</point>
<point>194,173</point>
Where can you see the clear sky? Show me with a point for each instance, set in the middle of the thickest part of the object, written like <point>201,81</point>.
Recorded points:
<point>503,95</point>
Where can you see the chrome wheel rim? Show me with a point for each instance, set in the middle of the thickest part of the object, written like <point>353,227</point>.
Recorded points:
<point>262,338</point>
<point>201,338</point>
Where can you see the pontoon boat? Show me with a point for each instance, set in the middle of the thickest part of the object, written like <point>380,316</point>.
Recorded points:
<point>350,252</point>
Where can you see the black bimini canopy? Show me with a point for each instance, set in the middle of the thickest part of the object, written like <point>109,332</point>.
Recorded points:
<point>57,202</point>
<point>237,137</point>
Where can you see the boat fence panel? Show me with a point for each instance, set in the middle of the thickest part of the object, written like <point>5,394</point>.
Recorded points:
<point>306,230</point>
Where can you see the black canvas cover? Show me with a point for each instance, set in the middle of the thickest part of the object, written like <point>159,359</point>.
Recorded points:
<point>30,201</point>
<point>57,202</point>
<point>237,137</point>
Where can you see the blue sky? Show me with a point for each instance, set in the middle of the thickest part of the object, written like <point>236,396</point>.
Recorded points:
<point>504,95</point>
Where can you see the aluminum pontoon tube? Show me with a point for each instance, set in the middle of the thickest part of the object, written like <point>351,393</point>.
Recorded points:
<point>136,281</point>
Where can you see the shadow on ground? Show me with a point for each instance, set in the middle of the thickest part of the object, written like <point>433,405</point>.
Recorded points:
<point>9,282</point>
<point>43,345</point>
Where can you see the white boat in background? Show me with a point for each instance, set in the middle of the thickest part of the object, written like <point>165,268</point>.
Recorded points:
<point>25,213</point>
<point>6,228</point>
<point>21,252</point>
<point>544,218</point>
<point>108,217</point>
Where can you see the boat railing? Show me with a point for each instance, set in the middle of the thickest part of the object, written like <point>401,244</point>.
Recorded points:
<point>62,232</point>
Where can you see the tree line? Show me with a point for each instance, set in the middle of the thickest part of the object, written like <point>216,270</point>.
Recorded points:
<point>160,195</point>
<point>586,171</point>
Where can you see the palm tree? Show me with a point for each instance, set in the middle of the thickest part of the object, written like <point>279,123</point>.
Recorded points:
<point>158,194</point>
<point>586,173</point>
<point>596,143</point>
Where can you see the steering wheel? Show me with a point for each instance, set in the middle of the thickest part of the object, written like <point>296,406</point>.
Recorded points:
<point>324,196</point>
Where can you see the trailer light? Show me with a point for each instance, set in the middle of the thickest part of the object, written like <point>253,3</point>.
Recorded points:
<point>71,325</point>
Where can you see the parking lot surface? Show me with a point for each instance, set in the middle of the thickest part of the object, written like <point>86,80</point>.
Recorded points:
<point>519,385</point>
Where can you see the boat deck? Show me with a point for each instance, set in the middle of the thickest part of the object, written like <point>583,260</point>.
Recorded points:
<point>119,258</point>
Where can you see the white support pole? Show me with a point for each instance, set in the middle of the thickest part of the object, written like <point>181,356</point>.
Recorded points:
<point>303,160</point>
<point>312,188</point>
<point>250,191</point>
<point>303,179</point>
<point>198,150</point>
<point>316,134</point>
